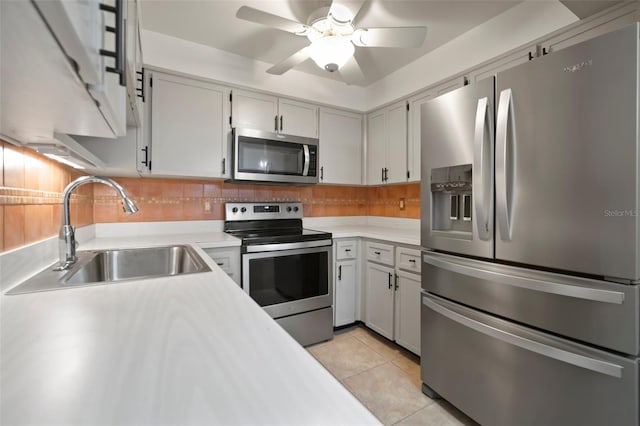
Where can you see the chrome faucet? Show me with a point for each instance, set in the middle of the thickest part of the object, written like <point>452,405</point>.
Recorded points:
<point>67,238</point>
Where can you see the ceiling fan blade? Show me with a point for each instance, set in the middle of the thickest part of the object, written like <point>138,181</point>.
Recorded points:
<point>297,58</point>
<point>344,11</point>
<point>390,37</point>
<point>259,17</point>
<point>351,72</point>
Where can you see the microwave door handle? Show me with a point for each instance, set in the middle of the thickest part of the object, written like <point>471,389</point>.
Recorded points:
<point>307,157</point>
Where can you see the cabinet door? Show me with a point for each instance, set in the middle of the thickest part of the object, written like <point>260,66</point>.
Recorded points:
<point>502,63</point>
<point>297,118</point>
<point>413,137</point>
<point>340,147</point>
<point>407,329</point>
<point>188,127</point>
<point>345,291</point>
<point>606,21</point>
<point>396,149</point>
<point>379,299</point>
<point>254,111</point>
<point>376,147</point>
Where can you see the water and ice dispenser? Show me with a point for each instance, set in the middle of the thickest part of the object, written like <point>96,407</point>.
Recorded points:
<point>451,196</point>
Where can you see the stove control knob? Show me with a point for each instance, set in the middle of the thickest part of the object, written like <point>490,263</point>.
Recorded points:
<point>244,209</point>
<point>234,210</point>
<point>289,209</point>
<point>295,209</point>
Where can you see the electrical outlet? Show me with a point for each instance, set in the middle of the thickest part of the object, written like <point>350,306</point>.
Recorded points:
<point>207,207</point>
<point>402,204</point>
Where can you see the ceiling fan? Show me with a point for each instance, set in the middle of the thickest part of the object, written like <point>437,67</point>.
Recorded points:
<point>333,37</point>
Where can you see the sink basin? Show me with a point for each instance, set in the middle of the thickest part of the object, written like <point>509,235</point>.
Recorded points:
<point>107,266</point>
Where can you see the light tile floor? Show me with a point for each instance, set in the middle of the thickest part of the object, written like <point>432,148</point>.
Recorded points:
<point>385,378</point>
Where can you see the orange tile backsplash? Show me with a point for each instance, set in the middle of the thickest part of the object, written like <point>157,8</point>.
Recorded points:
<point>32,185</point>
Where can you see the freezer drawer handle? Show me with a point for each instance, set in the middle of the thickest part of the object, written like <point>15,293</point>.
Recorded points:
<point>592,294</point>
<point>505,163</point>
<point>483,170</point>
<point>577,360</point>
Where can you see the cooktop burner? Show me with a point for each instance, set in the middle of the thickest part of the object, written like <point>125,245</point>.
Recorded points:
<point>269,223</point>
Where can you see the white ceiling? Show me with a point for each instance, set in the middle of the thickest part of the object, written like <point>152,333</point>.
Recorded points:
<point>213,23</point>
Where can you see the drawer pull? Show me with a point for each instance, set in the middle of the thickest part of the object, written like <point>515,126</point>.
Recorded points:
<point>412,260</point>
<point>562,355</point>
<point>376,252</point>
<point>347,250</point>
<point>568,290</point>
<point>220,263</point>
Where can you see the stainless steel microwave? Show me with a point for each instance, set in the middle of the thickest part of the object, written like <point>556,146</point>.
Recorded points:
<point>260,156</point>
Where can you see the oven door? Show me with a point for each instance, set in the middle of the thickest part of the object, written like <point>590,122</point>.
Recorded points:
<point>288,282</point>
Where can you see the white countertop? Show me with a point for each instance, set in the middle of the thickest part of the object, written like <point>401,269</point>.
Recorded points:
<point>393,235</point>
<point>191,349</point>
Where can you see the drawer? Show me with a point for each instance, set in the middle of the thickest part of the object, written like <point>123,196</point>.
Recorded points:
<point>378,252</point>
<point>476,361</point>
<point>225,259</point>
<point>593,311</point>
<point>346,250</point>
<point>408,259</point>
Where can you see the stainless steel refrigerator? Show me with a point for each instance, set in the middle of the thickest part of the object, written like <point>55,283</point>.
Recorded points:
<point>531,240</point>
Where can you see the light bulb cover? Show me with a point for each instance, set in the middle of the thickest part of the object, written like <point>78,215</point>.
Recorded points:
<point>331,52</point>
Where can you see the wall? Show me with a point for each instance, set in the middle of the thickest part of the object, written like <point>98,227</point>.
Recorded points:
<point>171,199</point>
<point>31,197</point>
<point>31,188</point>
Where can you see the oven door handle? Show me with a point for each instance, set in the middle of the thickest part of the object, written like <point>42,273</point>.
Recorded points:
<point>307,159</point>
<point>287,246</point>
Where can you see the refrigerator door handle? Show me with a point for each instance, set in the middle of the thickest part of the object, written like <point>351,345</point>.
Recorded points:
<point>586,293</point>
<point>556,353</point>
<point>505,164</point>
<point>483,170</point>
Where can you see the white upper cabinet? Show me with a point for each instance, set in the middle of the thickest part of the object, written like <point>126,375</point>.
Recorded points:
<point>272,114</point>
<point>251,110</point>
<point>189,127</point>
<point>414,137</point>
<point>396,143</point>
<point>297,118</point>
<point>340,147</point>
<point>387,145</point>
<point>51,49</point>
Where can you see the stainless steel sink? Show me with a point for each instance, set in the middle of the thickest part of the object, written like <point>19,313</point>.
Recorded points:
<point>107,266</point>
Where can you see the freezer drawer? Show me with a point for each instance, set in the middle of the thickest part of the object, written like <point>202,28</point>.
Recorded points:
<point>500,373</point>
<point>598,312</point>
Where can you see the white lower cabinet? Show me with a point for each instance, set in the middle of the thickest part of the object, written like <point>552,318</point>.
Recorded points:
<point>380,299</point>
<point>345,292</point>
<point>407,320</point>
<point>345,282</point>
<point>392,293</point>
<point>228,259</point>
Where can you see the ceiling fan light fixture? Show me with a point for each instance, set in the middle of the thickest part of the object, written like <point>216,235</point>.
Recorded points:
<point>331,52</point>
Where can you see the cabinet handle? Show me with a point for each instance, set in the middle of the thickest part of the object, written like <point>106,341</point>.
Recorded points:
<point>140,79</point>
<point>339,272</point>
<point>412,260</point>
<point>396,282</point>
<point>347,250</point>
<point>389,280</point>
<point>119,54</point>
<point>220,263</point>
<point>382,178</point>
<point>146,156</point>
<point>376,252</point>
<point>386,174</point>
<point>276,122</point>
<point>224,165</point>
<point>322,173</point>
<point>280,123</point>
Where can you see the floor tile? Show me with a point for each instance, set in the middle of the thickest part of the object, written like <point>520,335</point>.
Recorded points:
<point>410,364</point>
<point>347,356</point>
<point>387,392</point>
<point>440,413</point>
<point>379,344</point>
